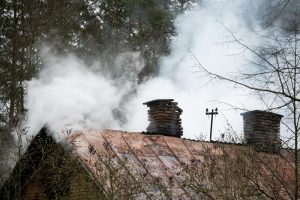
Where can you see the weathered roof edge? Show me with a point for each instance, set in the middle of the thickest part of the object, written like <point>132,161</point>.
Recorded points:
<point>25,165</point>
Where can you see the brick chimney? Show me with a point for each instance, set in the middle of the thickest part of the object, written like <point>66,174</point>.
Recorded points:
<point>262,130</point>
<point>164,117</point>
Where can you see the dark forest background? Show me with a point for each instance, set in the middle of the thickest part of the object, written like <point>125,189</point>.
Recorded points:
<point>90,29</point>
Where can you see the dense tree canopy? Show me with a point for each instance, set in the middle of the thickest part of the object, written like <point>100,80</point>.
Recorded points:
<point>89,29</point>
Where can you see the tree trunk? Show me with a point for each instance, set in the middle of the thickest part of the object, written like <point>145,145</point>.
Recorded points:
<point>13,68</point>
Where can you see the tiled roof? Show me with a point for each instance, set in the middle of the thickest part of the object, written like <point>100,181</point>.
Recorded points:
<point>161,157</point>
<point>165,167</point>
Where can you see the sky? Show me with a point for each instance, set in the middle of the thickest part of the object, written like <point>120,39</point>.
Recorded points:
<point>69,94</point>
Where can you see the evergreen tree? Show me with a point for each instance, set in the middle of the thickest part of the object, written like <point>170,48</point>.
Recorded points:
<point>90,29</point>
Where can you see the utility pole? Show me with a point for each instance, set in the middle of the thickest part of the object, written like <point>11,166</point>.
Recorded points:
<point>212,113</point>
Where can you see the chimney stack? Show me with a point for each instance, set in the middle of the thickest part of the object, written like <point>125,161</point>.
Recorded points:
<point>262,130</point>
<point>164,117</point>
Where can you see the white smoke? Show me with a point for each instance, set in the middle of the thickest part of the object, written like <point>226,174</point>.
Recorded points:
<point>69,94</point>
<point>204,33</point>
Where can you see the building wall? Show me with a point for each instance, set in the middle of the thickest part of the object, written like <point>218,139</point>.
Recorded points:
<point>83,188</point>
<point>61,177</point>
<point>35,191</point>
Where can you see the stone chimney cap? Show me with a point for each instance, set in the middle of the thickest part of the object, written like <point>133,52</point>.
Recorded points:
<point>261,112</point>
<point>157,101</point>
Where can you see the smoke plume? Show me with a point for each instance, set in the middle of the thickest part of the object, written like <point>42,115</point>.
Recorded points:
<point>69,94</point>
<point>202,33</point>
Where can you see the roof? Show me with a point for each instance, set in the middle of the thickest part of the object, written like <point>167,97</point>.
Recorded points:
<point>160,156</point>
<point>165,157</point>
<point>177,166</point>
